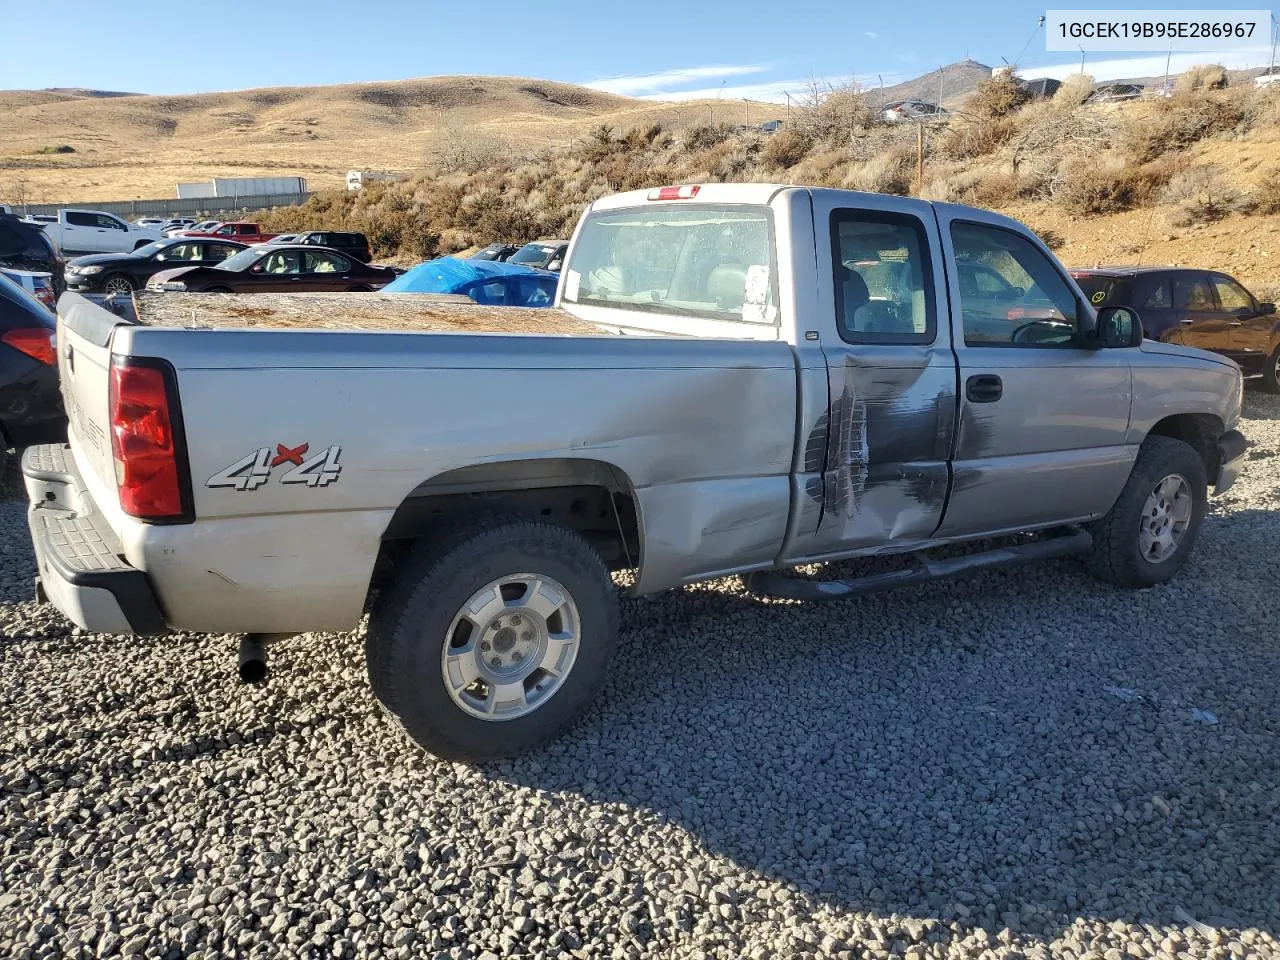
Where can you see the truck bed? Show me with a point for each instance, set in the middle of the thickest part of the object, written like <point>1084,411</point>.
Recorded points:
<point>395,312</point>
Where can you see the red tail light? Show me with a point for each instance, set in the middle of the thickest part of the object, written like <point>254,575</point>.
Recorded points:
<point>146,441</point>
<point>35,342</point>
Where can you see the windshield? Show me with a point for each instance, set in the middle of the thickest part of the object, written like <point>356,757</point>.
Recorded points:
<point>534,255</point>
<point>705,260</point>
<point>241,261</point>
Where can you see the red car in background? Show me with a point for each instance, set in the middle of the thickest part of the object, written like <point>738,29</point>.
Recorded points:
<point>238,230</point>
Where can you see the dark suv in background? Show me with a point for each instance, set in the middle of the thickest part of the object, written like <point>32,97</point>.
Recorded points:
<point>24,246</point>
<point>352,244</point>
<point>1196,308</point>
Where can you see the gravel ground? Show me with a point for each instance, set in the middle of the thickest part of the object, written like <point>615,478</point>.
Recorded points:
<point>936,773</point>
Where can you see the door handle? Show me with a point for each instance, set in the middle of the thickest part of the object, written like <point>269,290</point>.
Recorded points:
<point>1235,323</point>
<point>983,388</point>
<point>1187,322</point>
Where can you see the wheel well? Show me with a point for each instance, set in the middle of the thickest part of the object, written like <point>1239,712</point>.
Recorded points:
<point>1200,431</point>
<point>590,497</point>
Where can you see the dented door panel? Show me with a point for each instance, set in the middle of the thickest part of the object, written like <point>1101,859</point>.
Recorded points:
<point>886,432</point>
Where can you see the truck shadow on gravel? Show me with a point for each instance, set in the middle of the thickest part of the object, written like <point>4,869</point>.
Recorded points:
<point>954,751</point>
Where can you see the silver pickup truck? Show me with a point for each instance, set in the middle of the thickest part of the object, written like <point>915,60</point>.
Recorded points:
<point>736,379</point>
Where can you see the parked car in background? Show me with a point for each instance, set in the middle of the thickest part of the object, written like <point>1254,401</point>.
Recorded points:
<point>31,410</point>
<point>283,238</point>
<point>41,218</point>
<point>1197,308</point>
<point>543,254</point>
<point>26,246</point>
<point>264,268</point>
<point>353,244</point>
<point>124,272</point>
<point>90,231</point>
<point>240,230</point>
<point>37,283</point>
<point>484,281</point>
<point>203,226</point>
<point>903,111</point>
<point>177,223</point>
<point>151,223</point>
<point>496,251</point>
<point>1115,92</point>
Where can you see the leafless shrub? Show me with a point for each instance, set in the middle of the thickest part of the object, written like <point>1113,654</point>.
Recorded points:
<point>1074,90</point>
<point>888,173</point>
<point>965,139</point>
<point>834,115</point>
<point>1201,195</point>
<point>1182,120</point>
<point>1205,76</point>
<point>1266,195</point>
<point>996,97</point>
<point>461,149</point>
<point>786,148</point>
<point>1090,188</point>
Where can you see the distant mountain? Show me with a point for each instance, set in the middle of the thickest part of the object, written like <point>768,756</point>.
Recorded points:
<point>958,80</point>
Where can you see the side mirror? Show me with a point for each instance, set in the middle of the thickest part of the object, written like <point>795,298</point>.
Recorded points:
<point>554,264</point>
<point>1267,307</point>
<point>1118,327</point>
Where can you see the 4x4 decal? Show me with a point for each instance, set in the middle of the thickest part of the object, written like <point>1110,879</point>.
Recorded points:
<point>252,471</point>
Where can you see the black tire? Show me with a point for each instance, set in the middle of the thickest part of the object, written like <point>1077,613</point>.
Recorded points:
<point>215,290</point>
<point>359,288</point>
<point>1117,556</point>
<point>1271,373</point>
<point>411,619</point>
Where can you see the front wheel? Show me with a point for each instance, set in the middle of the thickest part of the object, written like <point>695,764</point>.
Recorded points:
<point>117,285</point>
<point>1150,530</point>
<point>495,635</point>
<point>1271,373</point>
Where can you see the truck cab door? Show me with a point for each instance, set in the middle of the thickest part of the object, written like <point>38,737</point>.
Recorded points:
<point>1043,420</point>
<point>884,442</point>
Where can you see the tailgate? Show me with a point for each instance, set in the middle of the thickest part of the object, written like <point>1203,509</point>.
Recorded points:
<point>84,359</point>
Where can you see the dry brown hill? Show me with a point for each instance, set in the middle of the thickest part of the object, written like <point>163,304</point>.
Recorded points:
<point>130,146</point>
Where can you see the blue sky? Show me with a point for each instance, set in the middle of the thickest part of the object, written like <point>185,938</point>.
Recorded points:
<point>669,49</point>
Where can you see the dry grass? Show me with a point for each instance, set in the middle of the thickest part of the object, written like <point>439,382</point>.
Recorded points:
<point>141,146</point>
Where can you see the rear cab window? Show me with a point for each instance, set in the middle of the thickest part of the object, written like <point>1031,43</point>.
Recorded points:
<point>1105,291</point>
<point>704,260</point>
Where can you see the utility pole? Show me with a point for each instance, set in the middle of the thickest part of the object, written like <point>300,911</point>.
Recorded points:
<point>1274,29</point>
<point>919,159</point>
<point>939,84</point>
<point>788,96</point>
<point>746,112</point>
<point>1081,59</point>
<point>1165,88</point>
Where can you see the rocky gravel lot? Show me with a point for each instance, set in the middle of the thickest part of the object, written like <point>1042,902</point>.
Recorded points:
<point>937,773</point>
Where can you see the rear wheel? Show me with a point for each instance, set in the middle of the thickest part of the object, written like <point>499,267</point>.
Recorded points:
<point>1271,373</point>
<point>495,635</point>
<point>117,284</point>
<point>1150,530</point>
<point>217,290</point>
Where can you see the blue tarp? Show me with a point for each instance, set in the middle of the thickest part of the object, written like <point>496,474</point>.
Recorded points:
<point>452,275</point>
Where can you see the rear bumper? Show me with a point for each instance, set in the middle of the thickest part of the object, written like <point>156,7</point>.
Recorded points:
<point>1231,447</point>
<point>81,562</point>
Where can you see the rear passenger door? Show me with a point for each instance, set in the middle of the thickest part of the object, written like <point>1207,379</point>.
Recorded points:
<point>876,465</point>
<point>1042,420</point>
<point>1200,321</point>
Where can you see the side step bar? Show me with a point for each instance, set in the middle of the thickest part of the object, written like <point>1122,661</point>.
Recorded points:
<point>776,584</point>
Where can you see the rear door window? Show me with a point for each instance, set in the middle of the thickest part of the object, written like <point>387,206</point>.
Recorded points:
<point>1191,292</point>
<point>77,219</point>
<point>1160,297</point>
<point>883,281</point>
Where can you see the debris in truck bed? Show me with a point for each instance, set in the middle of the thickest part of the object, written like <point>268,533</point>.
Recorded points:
<point>396,312</point>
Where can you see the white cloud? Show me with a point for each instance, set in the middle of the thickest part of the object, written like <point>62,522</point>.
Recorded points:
<point>652,83</point>
<point>771,91</point>
<point>1118,68</point>
<point>872,34</point>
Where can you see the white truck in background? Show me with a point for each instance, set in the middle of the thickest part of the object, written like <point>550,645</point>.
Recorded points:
<point>91,231</point>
